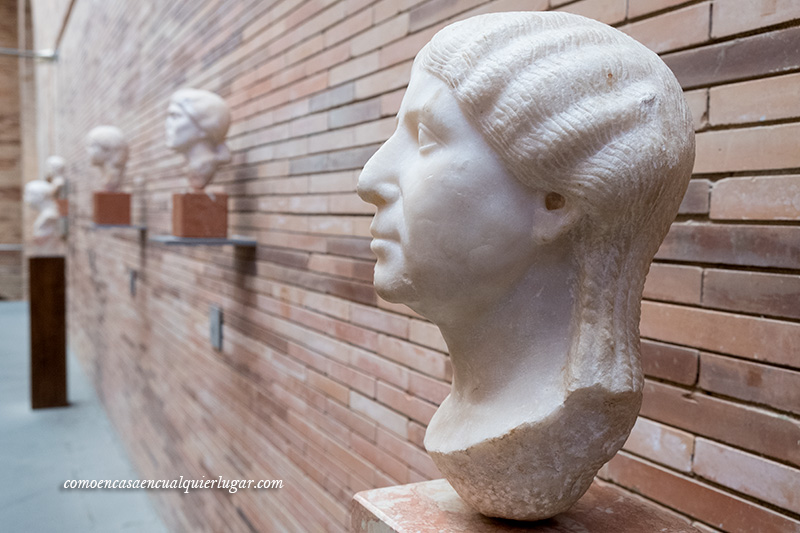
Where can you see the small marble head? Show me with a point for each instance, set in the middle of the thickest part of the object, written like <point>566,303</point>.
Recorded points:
<point>54,167</point>
<point>197,124</point>
<point>108,150</point>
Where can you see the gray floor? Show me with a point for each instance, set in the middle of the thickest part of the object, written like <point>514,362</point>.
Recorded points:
<point>39,450</point>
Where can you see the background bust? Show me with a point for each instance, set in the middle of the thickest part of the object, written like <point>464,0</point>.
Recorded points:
<point>537,165</point>
<point>41,196</point>
<point>197,124</point>
<point>108,150</point>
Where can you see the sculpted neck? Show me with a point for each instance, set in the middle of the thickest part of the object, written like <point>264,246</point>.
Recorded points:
<point>113,176</point>
<point>509,362</point>
<point>203,163</point>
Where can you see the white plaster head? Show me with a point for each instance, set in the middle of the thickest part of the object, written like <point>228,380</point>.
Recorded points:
<point>197,124</point>
<point>538,163</point>
<point>108,150</point>
<point>41,196</point>
<point>54,167</point>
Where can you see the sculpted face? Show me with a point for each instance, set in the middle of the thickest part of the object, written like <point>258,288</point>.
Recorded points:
<point>453,228</point>
<point>182,131</point>
<point>98,155</point>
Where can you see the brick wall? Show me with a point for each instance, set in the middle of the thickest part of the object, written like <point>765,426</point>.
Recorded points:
<point>325,386</point>
<point>10,173</point>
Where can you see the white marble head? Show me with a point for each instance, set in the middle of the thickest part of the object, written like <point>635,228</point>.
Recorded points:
<point>41,196</point>
<point>54,167</point>
<point>538,163</point>
<point>108,150</point>
<point>197,124</point>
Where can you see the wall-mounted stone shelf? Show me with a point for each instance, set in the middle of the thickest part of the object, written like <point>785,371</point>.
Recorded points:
<point>433,506</point>
<point>193,241</point>
<point>111,226</point>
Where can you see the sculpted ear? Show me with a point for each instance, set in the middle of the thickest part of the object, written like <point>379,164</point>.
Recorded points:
<point>554,216</point>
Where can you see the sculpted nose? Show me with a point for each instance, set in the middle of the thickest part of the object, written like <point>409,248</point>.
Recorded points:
<point>377,184</point>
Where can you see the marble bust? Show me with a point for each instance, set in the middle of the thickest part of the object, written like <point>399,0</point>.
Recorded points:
<point>108,151</point>
<point>538,162</point>
<point>46,232</point>
<point>197,124</point>
<point>54,170</point>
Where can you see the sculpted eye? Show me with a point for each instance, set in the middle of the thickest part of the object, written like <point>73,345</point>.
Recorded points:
<point>426,139</point>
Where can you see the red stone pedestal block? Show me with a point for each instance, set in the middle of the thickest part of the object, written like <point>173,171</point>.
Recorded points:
<point>112,208</point>
<point>48,332</point>
<point>199,215</point>
<point>63,207</point>
<point>433,506</point>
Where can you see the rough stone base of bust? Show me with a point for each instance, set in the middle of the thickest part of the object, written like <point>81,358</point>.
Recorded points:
<point>112,208</point>
<point>199,215</point>
<point>542,467</point>
<point>433,506</point>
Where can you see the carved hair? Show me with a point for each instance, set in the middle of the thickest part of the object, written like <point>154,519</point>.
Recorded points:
<point>210,113</point>
<point>576,107</point>
<point>37,192</point>
<point>111,139</point>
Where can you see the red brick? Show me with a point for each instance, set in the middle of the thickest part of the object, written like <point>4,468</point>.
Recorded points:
<point>698,104</point>
<point>749,474</point>
<point>756,198</point>
<point>749,57</point>
<point>766,147</point>
<point>417,357</point>
<point>355,113</point>
<point>752,292</point>
<point>426,334</point>
<point>734,16</point>
<point>437,10</point>
<point>755,338</point>
<point>608,11</point>
<point>348,27</point>
<point>406,48</point>
<point>733,244</point>
<point>413,456</point>
<point>407,404</point>
<point>669,362</point>
<point>637,8</point>
<point>383,81</point>
<point>755,429</point>
<point>328,386</point>
<point>763,384</point>
<point>381,459</point>
<point>672,30</point>
<point>382,415</point>
<point>755,100</point>
<point>380,35</point>
<point>355,68</point>
<point>695,201</point>
<point>662,444</point>
<point>709,504</point>
<point>674,283</point>
<point>380,320</point>
<point>416,433</point>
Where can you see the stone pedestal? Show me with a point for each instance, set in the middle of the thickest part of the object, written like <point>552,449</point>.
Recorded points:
<point>48,332</point>
<point>198,215</point>
<point>112,208</point>
<point>433,506</point>
<point>63,206</point>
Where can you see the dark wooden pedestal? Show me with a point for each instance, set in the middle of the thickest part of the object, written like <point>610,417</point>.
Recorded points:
<point>48,332</point>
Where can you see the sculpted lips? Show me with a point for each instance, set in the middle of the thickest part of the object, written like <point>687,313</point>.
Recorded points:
<point>382,232</point>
